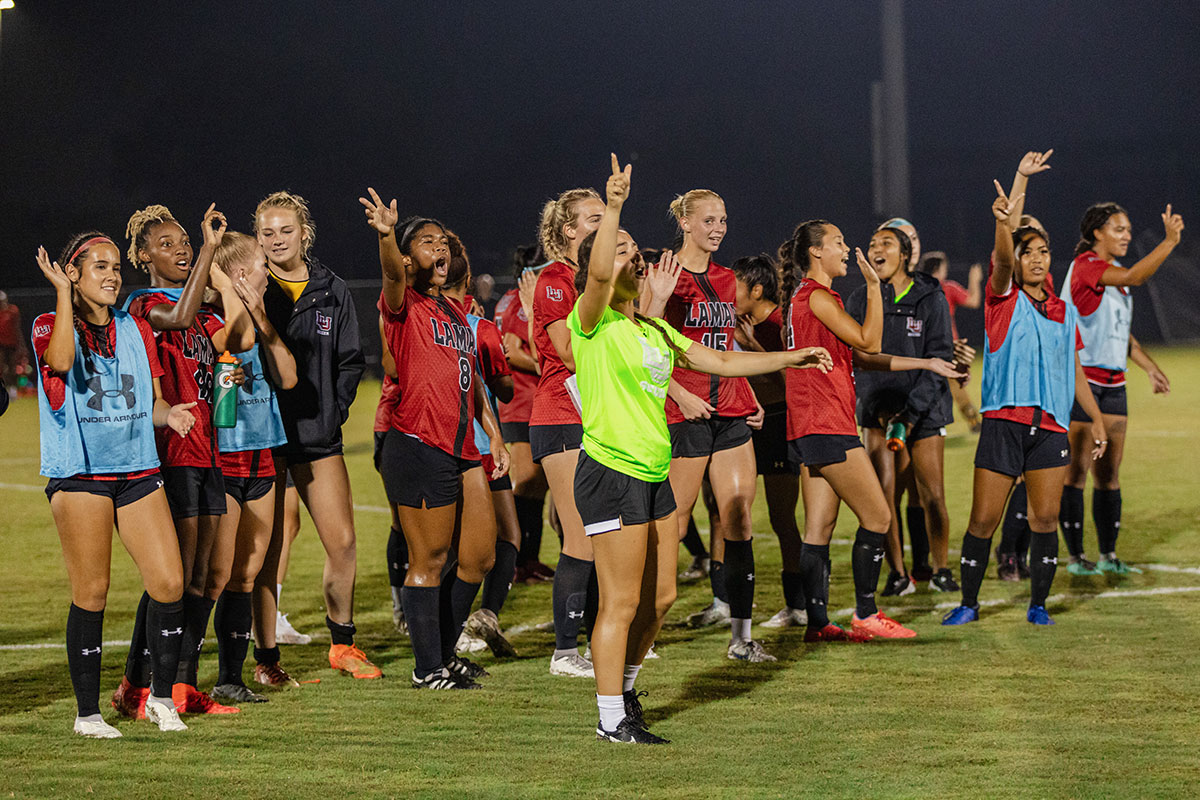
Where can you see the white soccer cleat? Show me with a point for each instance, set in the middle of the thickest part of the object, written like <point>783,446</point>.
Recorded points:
<point>787,618</point>
<point>163,714</point>
<point>469,644</point>
<point>286,634</point>
<point>572,665</point>
<point>95,728</point>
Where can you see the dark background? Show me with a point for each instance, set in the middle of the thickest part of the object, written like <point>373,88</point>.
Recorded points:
<point>477,113</point>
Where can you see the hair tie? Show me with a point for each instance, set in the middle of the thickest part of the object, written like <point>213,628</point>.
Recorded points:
<point>88,244</point>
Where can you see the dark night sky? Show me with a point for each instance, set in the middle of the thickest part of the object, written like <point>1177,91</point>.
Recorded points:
<point>477,113</point>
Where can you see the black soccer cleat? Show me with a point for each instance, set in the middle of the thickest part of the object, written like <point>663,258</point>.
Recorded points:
<point>443,680</point>
<point>628,733</point>
<point>633,708</point>
<point>465,668</point>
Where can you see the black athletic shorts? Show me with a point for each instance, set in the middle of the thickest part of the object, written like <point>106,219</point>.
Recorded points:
<point>606,499</point>
<point>1012,448</point>
<point>820,449</point>
<point>194,491</point>
<point>503,484</point>
<point>377,455</point>
<point>247,490</point>
<point>515,431</point>
<point>770,443</point>
<point>415,473</point>
<point>306,454</point>
<point>921,429</point>
<point>546,440</point>
<point>702,437</point>
<point>1111,400</point>
<point>122,491</point>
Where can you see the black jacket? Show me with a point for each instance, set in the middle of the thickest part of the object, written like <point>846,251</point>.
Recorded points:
<point>917,326</point>
<point>321,330</point>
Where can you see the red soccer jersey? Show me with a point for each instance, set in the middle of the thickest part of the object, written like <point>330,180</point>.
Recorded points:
<point>818,402</point>
<point>388,397</point>
<point>248,464</point>
<point>555,297</point>
<point>187,359</point>
<point>514,321</point>
<point>10,327</point>
<point>492,361</point>
<point>956,295</point>
<point>435,370</point>
<point>507,299</point>
<point>768,389</point>
<point>702,309</point>
<point>1086,293</point>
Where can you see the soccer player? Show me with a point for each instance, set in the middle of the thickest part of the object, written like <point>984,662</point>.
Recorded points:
<point>1099,289</point>
<point>99,402</point>
<point>937,266</point>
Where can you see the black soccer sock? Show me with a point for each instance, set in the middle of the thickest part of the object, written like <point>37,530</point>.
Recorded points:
<point>866,560</point>
<point>529,516</point>
<point>455,610</point>
<point>1106,512</point>
<point>397,558</point>
<point>716,580</point>
<point>266,655</point>
<point>137,662</point>
<point>973,564</point>
<point>814,572</point>
<point>739,578</point>
<point>693,542</point>
<point>569,600</point>
<point>341,632</point>
<point>231,622</point>
<point>591,606</point>
<point>793,589</point>
<point>196,611</point>
<point>1043,562</point>
<point>164,637</point>
<point>1013,529</point>
<point>421,612</point>
<point>1070,517</point>
<point>918,537</point>
<point>85,631</point>
<point>498,582</point>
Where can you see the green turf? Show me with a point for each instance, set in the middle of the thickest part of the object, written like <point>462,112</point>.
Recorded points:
<point>1102,705</point>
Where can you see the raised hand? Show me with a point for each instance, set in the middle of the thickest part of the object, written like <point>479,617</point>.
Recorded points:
<point>662,277</point>
<point>213,226</point>
<point>975,273</point>
<point>865,267</point>
<point>526,289</point>
<point>1002,206</point>
<point>180,420</point>
<point>382,218</point>
<point>1034,162</point>
<point>253,298</point>
<point>219,281</point>
<point>53,272</point>
<point>1173,223</point>
<point>743,334</point>
<point>476,309</point>
<point>807,357</point>
<point>617,189</point>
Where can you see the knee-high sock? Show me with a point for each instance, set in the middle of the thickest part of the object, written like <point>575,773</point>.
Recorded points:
<point>867,560</point>
<point>85,631</point>
<point>814,572</point>
<point>462,595</point>
<point>716,580</point>
<point>1014,520</point>
<point>231,622</point>
<point>569,600</point>
<point>421,613</point>
<point>591,606</point>
<point>1106,512</point>
<point>529,516</point>
<point>1070,517</point>
<point>1043,562</point>
<point>137,663</point>
<point>693,542</point>
<point>739,578</point>
<point>918,537</point>
<point>196,611</point>
<point>499,580</point>
<point>164,637</point>
<point>397,558</point>
<point>793,589</point>
<point>973,564</point>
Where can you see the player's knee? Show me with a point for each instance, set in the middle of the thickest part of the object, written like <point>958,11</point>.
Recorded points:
<point>165,587</point>
<point>619,610</point>
<point>664,598</point>
<point>90,595</point>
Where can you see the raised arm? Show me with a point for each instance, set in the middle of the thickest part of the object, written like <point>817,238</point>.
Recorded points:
<point>659,285</point>
<point>868,336</point>
<point>60,353</point>
<point>179,317</point>
<point>383,219</point>
<point>526,289</point>
<point>974,287</point>
<point>237,335</point>
<point>1005,261</point>
<point>276,355</point>
<point>599,289</point>
<point>1142,271</point>
<point>740,364</point>
<point>1032,163</point>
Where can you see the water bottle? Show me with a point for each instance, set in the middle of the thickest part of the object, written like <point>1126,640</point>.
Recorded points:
<point>895,436</point>
<point>225,402</point>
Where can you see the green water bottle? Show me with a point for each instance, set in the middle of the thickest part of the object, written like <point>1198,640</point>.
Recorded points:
<point>225,399</point>
<point>896,434</point>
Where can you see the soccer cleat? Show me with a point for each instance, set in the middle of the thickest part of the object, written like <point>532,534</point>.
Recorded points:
<point>236,693</point>
<point>943,581</point>
<point>881,626</point>
<point>94,727</point>
<point>572,665</point>
<point>898,585</point>
<point>1081,566</point>
<point>649,653</point>
<point>715,613</point>
<point>1022,567</point>
<point>749,650</point>
<point>466,668</point>
<point>697,569</point>
<point>787,618</point>
<point>1038,616</point>
<point>484,625</point>
<point>349,659</point>
<point>628,733</point>
<point>1006,566</point>
<point>633,708</point>
<point>834,633</point>
<point>442,680</point>
<point>961,616</point>
<point>273,675</point>
<point>469,644</point>
<point>1116,566</point>
<point>398,620</point>
<point>163,714</point>
<point>921,573</point>
<point>533,572</point>
<point>130,700</point>
<point>286,634</point>
<point>190,700</point>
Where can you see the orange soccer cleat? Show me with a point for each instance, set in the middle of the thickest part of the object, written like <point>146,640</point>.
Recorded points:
<point>882,626</point>
<point>833,633</point>
<point>130,700</point>
<point>349,659</point>
<point>190,700</point>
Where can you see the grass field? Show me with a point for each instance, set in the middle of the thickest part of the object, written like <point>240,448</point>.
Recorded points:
<point>1104,704</point>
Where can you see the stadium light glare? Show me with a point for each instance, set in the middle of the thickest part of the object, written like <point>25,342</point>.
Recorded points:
<point>6,5</point>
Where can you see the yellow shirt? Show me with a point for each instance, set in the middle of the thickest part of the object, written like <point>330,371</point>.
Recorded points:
<point>292,289</point>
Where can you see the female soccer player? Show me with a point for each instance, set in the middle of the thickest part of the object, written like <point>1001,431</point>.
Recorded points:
<point>246,463</point>
<point>711,418</point>
<point>624,362</point>
<point>314,313</point>
<point>823,441</point>
<point>99,401</point>
<point>937,266</point>
<point>1030,374</point>
<point>431,443</point>
<point>555,432</point>
<point>1098,287</point>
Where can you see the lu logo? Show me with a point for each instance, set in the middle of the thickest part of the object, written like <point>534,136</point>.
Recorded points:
<point>324,323</point>
<point>96,387</point>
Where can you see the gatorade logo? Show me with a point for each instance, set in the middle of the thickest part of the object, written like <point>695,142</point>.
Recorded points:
<point>96,387</point>
<point>226,380</point>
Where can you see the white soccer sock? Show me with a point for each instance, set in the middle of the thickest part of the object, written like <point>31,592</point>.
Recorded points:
<point>612,710</point>
<point>631,673</point>
<point>740,629</point>
<point>278,593</point>
<point>396,597</point>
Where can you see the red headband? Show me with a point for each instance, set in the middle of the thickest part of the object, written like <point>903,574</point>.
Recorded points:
<point>88,244</point>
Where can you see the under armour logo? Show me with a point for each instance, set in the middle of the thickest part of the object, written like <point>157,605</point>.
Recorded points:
<point>176,632</point>
<point>95,651</point>
<point>252,375</point>
<point>1063,453</point>
<point>968,562</point>
<point>750,577</point>
<point>95,386</point>
<point>574,615</point>
<point>1049,560</point>
<point>877,557</point>
<point>236,635</point>
<point>816,601</point>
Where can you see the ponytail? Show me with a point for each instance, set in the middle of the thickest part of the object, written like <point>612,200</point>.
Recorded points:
<point>555,215</point>
<point>793,254</point>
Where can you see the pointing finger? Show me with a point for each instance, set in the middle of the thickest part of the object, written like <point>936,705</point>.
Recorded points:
<point>616,166</point>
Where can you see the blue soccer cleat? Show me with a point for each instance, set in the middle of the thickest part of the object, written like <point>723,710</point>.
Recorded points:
<point>1038,616</point>
<point>961,616</point>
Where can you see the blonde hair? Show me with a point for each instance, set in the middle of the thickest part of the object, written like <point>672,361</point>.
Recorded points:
<point>684,205</point>
<point>138,227</point>
<point>235,248</point>
<point>557,213</point>
<point>296,204</point>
